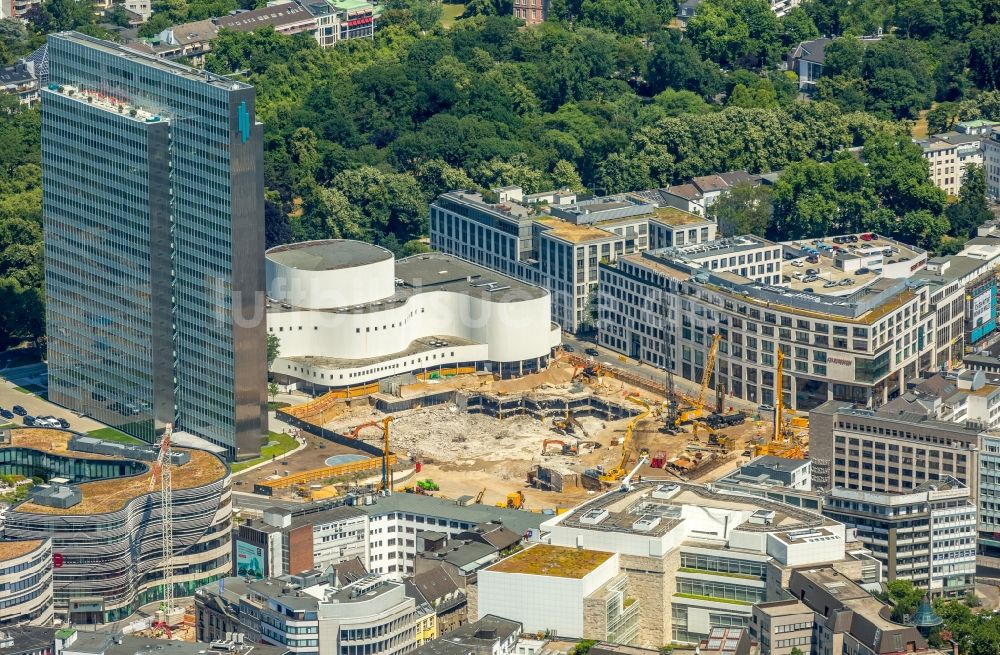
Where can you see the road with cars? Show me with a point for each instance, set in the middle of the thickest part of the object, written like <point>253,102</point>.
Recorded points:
<point>35,405</point>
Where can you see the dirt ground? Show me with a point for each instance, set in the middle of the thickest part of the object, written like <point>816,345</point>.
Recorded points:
<point>467,453</point>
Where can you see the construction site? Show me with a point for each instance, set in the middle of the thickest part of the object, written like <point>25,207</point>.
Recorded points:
<point>540,442</point>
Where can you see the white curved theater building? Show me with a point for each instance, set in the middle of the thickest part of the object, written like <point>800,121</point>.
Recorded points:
<point>347,314</point>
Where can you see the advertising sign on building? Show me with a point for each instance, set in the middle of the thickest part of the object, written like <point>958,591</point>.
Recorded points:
<point>982,312</point>
<point>249,560</point>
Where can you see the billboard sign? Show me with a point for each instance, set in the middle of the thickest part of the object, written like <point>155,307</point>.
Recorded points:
<point>249,561</point>
<point>982,312</point>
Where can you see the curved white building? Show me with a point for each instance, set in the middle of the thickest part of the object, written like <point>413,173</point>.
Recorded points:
<point>347,314</point>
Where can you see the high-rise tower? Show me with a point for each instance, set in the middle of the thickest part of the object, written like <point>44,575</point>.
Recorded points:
<point>154,237</point>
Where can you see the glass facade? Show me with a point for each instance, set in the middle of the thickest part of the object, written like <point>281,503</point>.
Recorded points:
<point>153,206</point>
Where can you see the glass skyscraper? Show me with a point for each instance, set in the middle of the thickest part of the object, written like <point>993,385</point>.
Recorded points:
<point>154,239</point>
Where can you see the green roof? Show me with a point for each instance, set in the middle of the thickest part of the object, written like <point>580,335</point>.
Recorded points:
<point>65,633</point>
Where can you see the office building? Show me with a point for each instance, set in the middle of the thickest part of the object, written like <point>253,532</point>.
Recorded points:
<point>347,315</point>
<point>309,614</point>
<point>680,559</point>
<point>154,296</point>
<point>848,331</point>
<point>286,543</point>
<point>927,535</point>
<point>556,241</point>
<point>25,582</point>
<point>887,451</point>
<point>988,538</point>
<point>969,397</point>
<point>829,613</point>
<point>105,525</point>
<point>787,481</point>
<point>69,641</point>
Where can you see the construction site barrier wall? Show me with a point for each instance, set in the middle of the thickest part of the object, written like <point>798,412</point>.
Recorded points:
<point>445,372</point>
<point>375,463</point>
<point>619,374</point>
<point>327,400</point>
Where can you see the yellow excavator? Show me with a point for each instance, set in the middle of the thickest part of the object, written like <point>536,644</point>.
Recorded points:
<point>514,501</point>
<point>568,424</point>
<point>617,473</point>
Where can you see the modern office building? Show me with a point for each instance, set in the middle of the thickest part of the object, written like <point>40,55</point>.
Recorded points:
<point>25,582</point>
<point>153,208</point>
<point>347,315</point>
<point>927,535</point>
<point>105,525</point>
<point>684,558</point>
<point>556,241</point>
<point>887,451</point>
<point>848,331</point>
<point>988,538</point>
<point>310,615</point>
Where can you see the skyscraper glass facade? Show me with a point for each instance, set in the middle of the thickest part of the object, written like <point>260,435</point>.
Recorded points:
<point>153,204</point>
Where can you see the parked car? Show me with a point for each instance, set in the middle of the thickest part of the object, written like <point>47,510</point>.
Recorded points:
<point>63,423</point>
<point>853,238</point>
<point>830,283</point>
<point>867,236</point>
<point>765,408</point>
<point>846,282</point>
<point>568,348</point>
<point>862,271</point>
<point>593,352</point>
<point>28,420</point>
<point>797,262</point>
<point>20,411</point>
<point>6,413</point>
<point>813,259</point>
<point>812,271</point>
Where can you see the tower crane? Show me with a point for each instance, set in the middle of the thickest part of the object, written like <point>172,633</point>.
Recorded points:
<point>386,483</point>
<point>698,406</point>
<point>783,442</point>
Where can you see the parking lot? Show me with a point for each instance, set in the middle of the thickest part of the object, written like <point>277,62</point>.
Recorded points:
<point>22,386</point>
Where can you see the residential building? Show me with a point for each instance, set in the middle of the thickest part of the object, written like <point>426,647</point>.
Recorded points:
<point>348,315</point>
<point>684,558</point>
<point>20,80</point>
<point>462,555</point>
<point>927,535</point>
<point>25,582</point>
<point>848,331</point>
<point>490,635</point>
<point>806,60</point>
<point>160,319</point>
<point>16,9</point>
<point>106,553</point>
<point>969,397</point>
<point>285,543</point>
<point>978,126</point>
<point>426,629</point>
<point>558,245</point>
<point>699,194</point>
<point>888,451</point>
<point>686,10</point>
<point>443,594</point>
<point>942,159</point>
<point>532,12</point>
<point>308,614</point>
<point>830,613</point>
<point>991,162</point>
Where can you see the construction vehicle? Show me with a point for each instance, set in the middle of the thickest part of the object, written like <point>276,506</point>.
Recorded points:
<point>697,408</point>
<point>617,473</point>
<point>626,484</point>
<point>784,442</point>
<point>715,439</point>
<point>718,421</point>
<point>564,448</point>
<point>568,424</point>
<point>671,418</point>
<point>588,372</point>
<point>479,497</point>
<point>386,483</point>
<point>514,501</point>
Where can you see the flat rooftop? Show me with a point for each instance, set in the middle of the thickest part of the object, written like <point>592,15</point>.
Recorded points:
<point>103,496</point>
<point>679,218</point>
<point>572,232</point>
<point>152,61</point>
<point>327,255</point>
<point>725,246</point>
<point>553,561</point>
<point>11,549</point>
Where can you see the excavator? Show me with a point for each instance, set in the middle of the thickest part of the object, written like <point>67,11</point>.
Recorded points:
<point>697,408</point>
<point>588,372</point>
<point>386,483</point>
<point>715,439</point>
<point>479,496</point>
<point>784,442</point>
<point>514,501</point>
<point>564,448</point>
<point>617,473</point>
<point>568,424</point>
